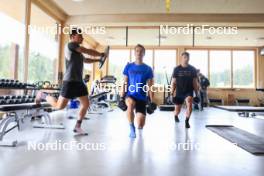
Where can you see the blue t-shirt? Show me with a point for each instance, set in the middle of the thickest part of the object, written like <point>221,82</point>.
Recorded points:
<point>138,75</point>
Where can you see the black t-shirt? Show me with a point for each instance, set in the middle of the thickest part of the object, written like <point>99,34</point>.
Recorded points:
<point>184,79</point>
<point>204,82</point>
<point>74,63</point>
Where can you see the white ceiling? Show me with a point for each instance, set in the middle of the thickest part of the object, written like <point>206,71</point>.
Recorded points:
<point>86,7</point>
<point>117,36</point>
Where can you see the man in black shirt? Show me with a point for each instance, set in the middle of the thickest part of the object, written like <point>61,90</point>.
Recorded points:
<point>73,85</point>
<point>204,84</point>
<point>184,82</point>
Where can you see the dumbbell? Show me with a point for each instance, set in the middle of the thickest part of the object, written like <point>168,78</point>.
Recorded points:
<point>26,100</point>
<point>2,84</point>
<point>16,101</point>
<point>6,97</point>
<point>151,107</point>
<point>31,100</point>
<point>46,84</point>
<point>7,84</point>
<point>23,100</point>
<point>2,102</point>
<point>18,97</point>
<point>10,101</point>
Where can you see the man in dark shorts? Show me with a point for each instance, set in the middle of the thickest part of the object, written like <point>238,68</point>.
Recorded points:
<point>184,82</point>
<point>73,85</point>
<point>137,75</point>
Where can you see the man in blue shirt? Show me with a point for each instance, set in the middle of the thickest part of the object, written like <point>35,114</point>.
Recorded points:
<point>138,82</point>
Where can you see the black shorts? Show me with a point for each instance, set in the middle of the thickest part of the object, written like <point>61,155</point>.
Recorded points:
<point>179,99</point>
<point>140,105</point>
<point>71,90</point>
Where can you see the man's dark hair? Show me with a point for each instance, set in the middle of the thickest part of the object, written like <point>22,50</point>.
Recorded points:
<point>75,31</point>
<point>186,54</point>
<point>140,46</point>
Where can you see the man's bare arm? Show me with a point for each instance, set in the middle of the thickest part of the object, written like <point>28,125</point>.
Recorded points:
<point>196,86</point>
<point>151,93</point>
<point>89,60</point>
<point>173,86</point>
<point>124,88</point>
<point>90,52</point>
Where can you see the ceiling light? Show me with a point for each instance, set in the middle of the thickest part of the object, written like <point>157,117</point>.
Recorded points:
<point>110,37</point>
<point>260,38</point>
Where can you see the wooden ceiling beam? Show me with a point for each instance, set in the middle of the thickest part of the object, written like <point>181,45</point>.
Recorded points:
<point>148,18</point>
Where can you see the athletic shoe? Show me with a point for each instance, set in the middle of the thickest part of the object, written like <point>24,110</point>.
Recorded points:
<point>176,118</point>
<point>80,131</point>
<point>187,125</point>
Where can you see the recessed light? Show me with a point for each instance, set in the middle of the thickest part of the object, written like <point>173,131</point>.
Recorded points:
<point>162,37</point>
<point>77,0</point>
<point>260,38</point>
<point>110,37</point>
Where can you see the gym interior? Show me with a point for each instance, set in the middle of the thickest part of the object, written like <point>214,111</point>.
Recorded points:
<point>224,42</point>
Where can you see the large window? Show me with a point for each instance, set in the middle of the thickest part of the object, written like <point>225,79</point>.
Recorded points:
<point>43,47</point>
<point>199,59</point>
<point>220,68</point>
<point>118,59</point>
<point>225,68</point>
<point>12,38</point>
<point>243,69</point>
<point>165,61</point>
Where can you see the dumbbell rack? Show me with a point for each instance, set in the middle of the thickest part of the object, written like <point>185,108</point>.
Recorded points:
<point>21,112</point>
<point>26,98</point>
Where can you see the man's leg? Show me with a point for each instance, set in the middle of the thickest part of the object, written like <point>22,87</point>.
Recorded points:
<point>141,120</point>
<point>130,116</point>
<point>84,101</point>
<point>59,103</point>
<point>140,113</point>
<point>189,101</point>
<point>177,111</point>
<point>178,101</point>
<point>202,100</point>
